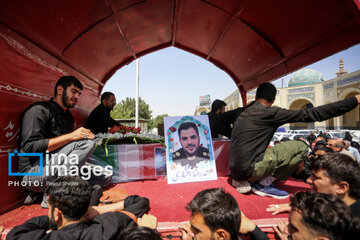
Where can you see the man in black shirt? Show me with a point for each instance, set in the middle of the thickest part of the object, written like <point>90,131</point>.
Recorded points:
<point>221,121</point>
<point>70,217</point>
<point>217,108</point>
<point>48,127</point>
<point>249,158</point>
<point>99,119</point>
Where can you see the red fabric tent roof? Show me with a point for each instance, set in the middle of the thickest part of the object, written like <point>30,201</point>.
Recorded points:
<point>253,41</point>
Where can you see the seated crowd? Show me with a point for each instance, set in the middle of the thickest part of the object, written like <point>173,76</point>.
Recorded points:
<point>330,166</point>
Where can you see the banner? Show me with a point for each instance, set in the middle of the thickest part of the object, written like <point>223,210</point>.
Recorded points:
<point>205,101</point>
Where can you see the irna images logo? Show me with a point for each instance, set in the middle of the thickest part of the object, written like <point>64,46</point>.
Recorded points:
<point>11,155</point>
<point>60,164</point>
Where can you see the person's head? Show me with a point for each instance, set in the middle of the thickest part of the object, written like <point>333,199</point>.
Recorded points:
<point>266,91</point>
<point>108,100</point>
<point>321,149</point>
<point>218,106</point>
<point>336,144</point>
<point>285,139</point>
<point>139,233</point>
<point>320,216</point>
<point>319,138</point>
<point>68,90</point>
<point>348,136</point>
<point>214,214</point>
<point>336,174</point>
<point>189,138</point>
<point>68,199</point>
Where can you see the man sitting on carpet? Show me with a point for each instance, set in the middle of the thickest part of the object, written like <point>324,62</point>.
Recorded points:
<point>336,174</point>
<point>216,215</point>
<point>48,127</point>
<point>99,120</point>
<point>249,158</point>
<point>69,199</point>
<point>190,153</point>
<point>318,216</point>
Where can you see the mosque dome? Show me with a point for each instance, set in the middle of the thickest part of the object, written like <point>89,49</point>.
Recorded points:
<point>306,76</point>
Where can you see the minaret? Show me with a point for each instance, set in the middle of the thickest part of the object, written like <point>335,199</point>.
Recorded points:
<point>341,71</point>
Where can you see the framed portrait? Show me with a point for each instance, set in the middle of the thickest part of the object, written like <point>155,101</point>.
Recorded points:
<point>189,150</point>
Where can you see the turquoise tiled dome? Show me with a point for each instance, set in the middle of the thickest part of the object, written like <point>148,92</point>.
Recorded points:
<point>306,76</point>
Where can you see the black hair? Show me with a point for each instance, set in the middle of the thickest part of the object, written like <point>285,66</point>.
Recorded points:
<point>340,167</point>
<point>348,136</point>
<point>325,215</point>
<point>71,195</point>
<point>321,143</point>
<point>67,81</point>
<point>187,125</point>
<point>217,104</point>
<point>266,91</point>
<point>139,233</point>
<point>219,210</point>
<point>285,139</point>
<point>322,148</point>
<point>106,96</point>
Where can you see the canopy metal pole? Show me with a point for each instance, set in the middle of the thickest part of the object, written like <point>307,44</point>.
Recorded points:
<point>137,95</point>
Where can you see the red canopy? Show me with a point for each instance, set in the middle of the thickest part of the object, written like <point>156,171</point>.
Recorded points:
<point>254,41</point>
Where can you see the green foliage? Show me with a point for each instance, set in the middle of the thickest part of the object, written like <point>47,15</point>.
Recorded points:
<point>153,123</point>
<point>126,109</point>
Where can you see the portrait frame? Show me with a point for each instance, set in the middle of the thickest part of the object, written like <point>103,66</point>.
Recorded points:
<point>203,170</point>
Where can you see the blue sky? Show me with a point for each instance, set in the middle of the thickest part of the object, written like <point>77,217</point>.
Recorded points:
<point>172,80</point>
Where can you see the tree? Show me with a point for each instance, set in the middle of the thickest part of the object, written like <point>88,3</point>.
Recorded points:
<point>153,123</point>
<point>126,109</point>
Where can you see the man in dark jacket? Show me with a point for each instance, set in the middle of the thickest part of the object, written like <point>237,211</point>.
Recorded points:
<point>249,158</point>
<point>99,119</point>
<point>69,215</point>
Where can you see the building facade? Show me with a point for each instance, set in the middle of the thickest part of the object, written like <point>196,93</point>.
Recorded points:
<point>306,89</point>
